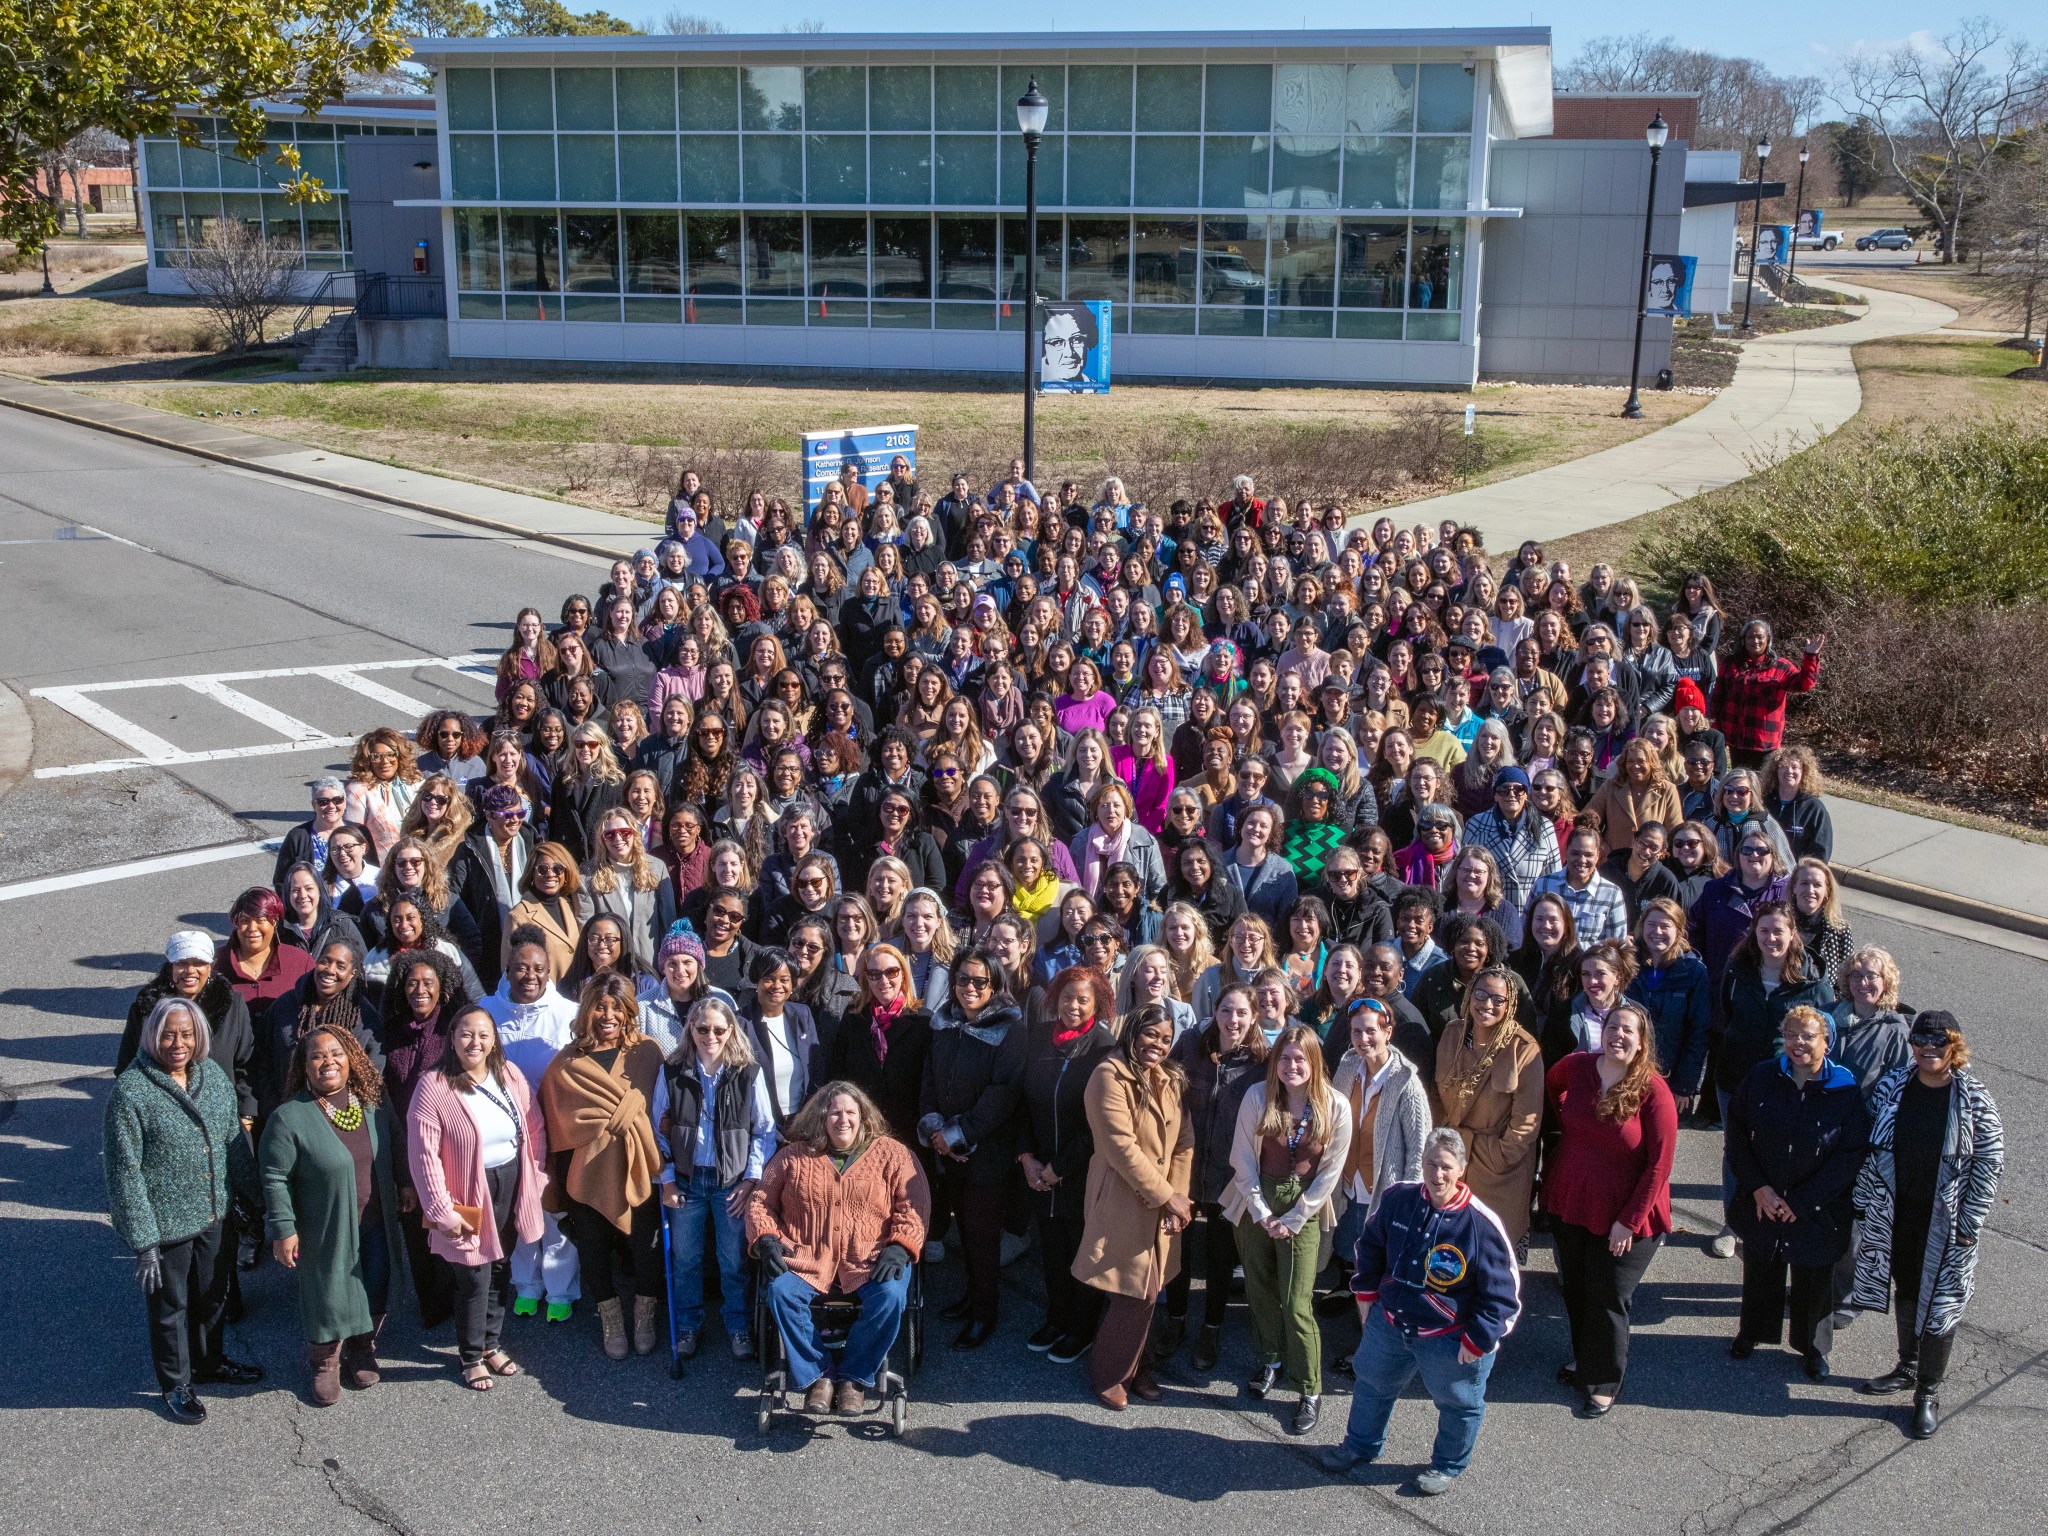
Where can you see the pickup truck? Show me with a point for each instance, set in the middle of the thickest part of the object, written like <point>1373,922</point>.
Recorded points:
<point>1825,241</point>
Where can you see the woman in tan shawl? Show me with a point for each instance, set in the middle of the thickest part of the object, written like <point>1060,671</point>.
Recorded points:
<point>1489,1086</point>
<point>595,1095</point>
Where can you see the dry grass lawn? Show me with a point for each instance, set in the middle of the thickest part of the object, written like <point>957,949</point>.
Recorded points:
<point>616,444</point>
<point>132,324</point>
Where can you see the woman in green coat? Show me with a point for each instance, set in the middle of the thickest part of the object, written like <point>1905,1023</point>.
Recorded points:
<point>331,1204</point>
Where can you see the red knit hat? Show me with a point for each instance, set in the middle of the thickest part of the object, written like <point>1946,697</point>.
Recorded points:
<point>1688,694</point>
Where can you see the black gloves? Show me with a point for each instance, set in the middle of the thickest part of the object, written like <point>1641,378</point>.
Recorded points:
<point>770,1255</point>
<point>890,1263</point>
<point>149,1269</point>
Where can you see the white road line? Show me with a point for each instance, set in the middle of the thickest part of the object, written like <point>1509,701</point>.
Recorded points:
<point>175,758</point>
<point>112,872</point>
<point>390,697</point>
<point>463,663</point>
<point>277,720</point>
<point>106,722</point>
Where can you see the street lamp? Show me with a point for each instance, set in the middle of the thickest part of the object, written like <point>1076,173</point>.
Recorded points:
<point>1032,110</point>
<point>1798,207</point>
<point>1763,153</point>
<point>1655,136</point>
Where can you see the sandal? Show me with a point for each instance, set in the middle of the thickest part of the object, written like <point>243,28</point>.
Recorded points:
<point>500,1364</point>
<point>477,1376</point>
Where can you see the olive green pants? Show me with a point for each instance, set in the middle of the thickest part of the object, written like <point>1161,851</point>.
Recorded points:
<point>1280,1285</point>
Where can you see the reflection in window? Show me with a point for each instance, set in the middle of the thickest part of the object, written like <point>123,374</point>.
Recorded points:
<point>1437,278</point>
<point>1444,100</point>
<point>1374,265</point>
<point>1234,172</point>
<point>775,255</point>
<point>900,97</point>
<point>774,168</point>
<point>1304,172</point>
<point>1099,259</point>
<point>967,258</point>
<point>772,99</point>
<point>1233,264</point>
<point>836,98</point>
<point>647,99</point>
<point>1169,98</point>
<point>1050,275</point>
<point>839,256</point>
<point>1376,172</point>
<point>706,96</point>
<point>591,252</point>
<point>1301,262</point>
<point>1163,261</point>
<point>903,258</point>
<point>1442,171</point>
<point>711,259</point>
<point>654,258</point>
<point>476,248</point>
<point>1380,99</point>
<point>838,169</point>
<point>532,250</point>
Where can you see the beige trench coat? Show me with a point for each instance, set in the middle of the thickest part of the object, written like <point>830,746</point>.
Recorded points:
<point>1144,1155</point>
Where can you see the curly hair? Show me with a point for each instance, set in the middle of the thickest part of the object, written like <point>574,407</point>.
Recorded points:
<point>364,1080</point>
<point>359,766</point>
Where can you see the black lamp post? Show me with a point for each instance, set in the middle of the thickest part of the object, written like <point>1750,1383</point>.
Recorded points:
<point>1756,226</point>
<point>1032,110</point>
<point>1655,136</point>
<point>1798,211</point>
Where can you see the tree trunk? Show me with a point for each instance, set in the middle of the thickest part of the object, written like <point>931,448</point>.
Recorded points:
<point>1948,244</point>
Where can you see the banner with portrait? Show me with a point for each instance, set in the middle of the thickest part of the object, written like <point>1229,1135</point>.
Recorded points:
<point>1810,220</point>
<point>1670,285</point>
<point>1073,348</point>
<point>1773,245</point>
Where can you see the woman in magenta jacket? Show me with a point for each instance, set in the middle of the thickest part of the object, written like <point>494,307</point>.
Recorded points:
<point>477,1139</point>
<point>1608,1191</point>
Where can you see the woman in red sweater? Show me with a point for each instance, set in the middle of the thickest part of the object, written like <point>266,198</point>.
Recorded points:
<point>1608,1191</point>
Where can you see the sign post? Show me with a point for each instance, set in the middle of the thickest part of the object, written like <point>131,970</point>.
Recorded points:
<point>870,450</point>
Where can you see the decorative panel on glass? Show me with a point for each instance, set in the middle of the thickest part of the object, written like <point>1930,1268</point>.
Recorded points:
<point>1099,98</point>
<point>237,172</point>
<point>1369,324</point>
<point>532,251</point>
<point>1431,325</point>
<point>1298,322</point>
<point>654,253</point>
<point>967,99</point>
<point>1304,171</point>
<point>710,168</point>
<point>473,164</point>
<point>647,100</point>
<point>707,97</point>
<point>647,168</point>
<point>526,166</point>
<point>1239,99</point>
<point>653,311</point>
<point>899,98</point>
<point>1308,98</point>
<point>775,255</point>
<point>1380,98</point>
<point>1376,171</point>
<point>479,306</point>
<point>244,208</point>
<point>160,162</point>
<point>198,165</point>
<point>1099,170</point>
<point>967,257</point>
<point>1168,172</point>
<point>1443,99</point>
<point>584,307</point>
<point>1169,98</point>
<point>323,161</point>
<point>1052,85</point>
<point>772,99</point>
<point>469,98</point>
<point>526,99</point>
<point>1051,162</point>
<point>1234,171</point>
<point>835,98</point>
<point>900,168</point>
<point>583,100</point>
<point>964,169</point>
<point>1372,265</point>
<point>1163,322</point>
<point>1231,321</point>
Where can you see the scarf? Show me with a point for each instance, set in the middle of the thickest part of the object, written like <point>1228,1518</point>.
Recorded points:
<point>1064,1037</point>
<point>881,1017</point>
<point>601,1120</point>
<point>1101,852</point>
<point>1033,901</point>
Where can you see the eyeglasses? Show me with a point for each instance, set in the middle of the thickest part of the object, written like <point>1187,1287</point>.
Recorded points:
<point>434,799</point>
<point>1096,941</point>
<point>945,773</point>
<point>724,914</point>
<point>510,815</point>
<point>329,802</point>
<point>543,871</point>
<point>1344,874</point>
<point>619,834</point>
<point>975,983</point>
<point>1490,1001</point>
<point>1735,792</point>
<point>1755,851</point>
<point>884,972</point>
<point>1687,842</point>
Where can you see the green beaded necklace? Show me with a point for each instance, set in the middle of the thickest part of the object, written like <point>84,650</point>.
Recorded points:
<point>347,1118</point>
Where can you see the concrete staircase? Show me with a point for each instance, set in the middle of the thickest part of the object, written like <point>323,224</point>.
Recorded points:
<point>334,346</point>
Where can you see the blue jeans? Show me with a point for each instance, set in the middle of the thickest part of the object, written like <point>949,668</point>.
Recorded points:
<point>1386,1361</point>
<point>867,1344</point>
<point>704,1207</point>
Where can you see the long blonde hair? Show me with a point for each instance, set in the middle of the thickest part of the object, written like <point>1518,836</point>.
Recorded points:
<point>1200,955</point>
<point>1321,1102</point>
<point>647,872</point>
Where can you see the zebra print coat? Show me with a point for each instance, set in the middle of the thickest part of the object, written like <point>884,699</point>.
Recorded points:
<point>1972,1155</point>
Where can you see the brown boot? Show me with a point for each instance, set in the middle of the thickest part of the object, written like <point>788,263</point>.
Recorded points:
<point>644,1335</point>
<point>324,1362</point>
<point>359,1367</point>
<point>612,1315</point>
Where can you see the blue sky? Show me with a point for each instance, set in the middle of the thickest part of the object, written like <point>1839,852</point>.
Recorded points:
<point>1805,39</point>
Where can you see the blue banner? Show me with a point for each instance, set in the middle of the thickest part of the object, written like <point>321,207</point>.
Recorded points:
<point>870,450</point>
<point>1773,245</point>
<point>1670,291</point>
<point>1810,221</point>
<point>1073,349</point>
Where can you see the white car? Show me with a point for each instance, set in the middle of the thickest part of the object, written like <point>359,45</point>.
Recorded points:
<point>1822,242</point>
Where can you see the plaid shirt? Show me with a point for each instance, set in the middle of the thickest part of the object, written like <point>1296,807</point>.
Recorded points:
<point>1598,911</point>
<point>1749,699</point>
<point>1526,851</point>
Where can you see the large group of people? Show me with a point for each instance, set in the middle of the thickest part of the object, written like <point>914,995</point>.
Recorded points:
<point>1186,891</point>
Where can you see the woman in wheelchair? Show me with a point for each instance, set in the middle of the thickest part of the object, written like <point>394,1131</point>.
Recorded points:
<point>840,1212</point>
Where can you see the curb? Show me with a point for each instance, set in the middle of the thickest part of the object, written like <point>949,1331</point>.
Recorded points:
<point>17,739</point>
<point>1942,901</point>
<point>532,535</point>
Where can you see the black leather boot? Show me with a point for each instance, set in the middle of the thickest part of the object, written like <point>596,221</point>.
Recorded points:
<point>1926,1414</point>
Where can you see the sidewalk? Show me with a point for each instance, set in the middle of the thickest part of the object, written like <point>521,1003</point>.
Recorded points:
<point>1958,870</point>
<point>600,535</point>
<point>1787,389</point>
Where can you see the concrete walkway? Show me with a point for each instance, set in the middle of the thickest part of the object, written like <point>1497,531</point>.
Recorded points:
<point>1958,870</point>
<point>1787,390</point>
<point>583,530</point>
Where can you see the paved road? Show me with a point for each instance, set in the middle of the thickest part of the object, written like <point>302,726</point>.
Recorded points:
<point>235,573</point>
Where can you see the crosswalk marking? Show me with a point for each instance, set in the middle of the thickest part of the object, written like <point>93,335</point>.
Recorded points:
<point>150,750</point>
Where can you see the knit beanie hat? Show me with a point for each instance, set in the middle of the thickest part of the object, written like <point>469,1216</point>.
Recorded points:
<point>681,940</point>
<point>1688,695</point>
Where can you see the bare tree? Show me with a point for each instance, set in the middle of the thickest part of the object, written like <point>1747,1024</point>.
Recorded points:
<point>2013,227</point>
<point>1943,112</point>
<point>1740,101</point>
<point>242,279</point>
<point>64,166</point>
<point>676,22</point>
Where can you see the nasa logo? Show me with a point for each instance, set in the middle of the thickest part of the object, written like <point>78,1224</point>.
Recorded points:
<point>1445,1266</point>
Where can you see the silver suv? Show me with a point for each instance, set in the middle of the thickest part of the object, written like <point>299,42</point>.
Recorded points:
<point>1885,240</point>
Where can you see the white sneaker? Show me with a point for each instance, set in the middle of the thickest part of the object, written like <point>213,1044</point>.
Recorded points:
<point>1723,1245</point>
<point>1429,1482</point>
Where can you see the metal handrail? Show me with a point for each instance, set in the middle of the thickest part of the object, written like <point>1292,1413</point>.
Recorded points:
<point>383,296</point>
<point>324,295</point>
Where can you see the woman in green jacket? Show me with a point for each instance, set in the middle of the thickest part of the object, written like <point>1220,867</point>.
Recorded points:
<point>174,1150</point>
<point>331,1204</point>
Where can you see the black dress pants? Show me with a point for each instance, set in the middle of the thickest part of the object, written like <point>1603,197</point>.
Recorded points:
<point>600,1245</point>
<point>478,1290</point>
<point>1070,1306</point>
<point>1764,1289</point>
<point>978,1208</point>
<point>188,1310</point>
<point>433,1278</point>
<point>1598,1289</point>
<point>1219,1263</point>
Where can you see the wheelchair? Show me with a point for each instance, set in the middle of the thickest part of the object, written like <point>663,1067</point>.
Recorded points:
<point>835,1317</point>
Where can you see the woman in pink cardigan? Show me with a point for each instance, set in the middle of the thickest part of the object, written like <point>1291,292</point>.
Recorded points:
<point>477,1141</point>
